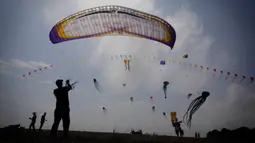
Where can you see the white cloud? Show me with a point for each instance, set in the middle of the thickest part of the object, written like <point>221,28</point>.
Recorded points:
<point>21,64</point>
<point>38,64</point>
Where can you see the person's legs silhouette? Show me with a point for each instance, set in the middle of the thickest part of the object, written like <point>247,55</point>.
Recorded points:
<point>57,119</point>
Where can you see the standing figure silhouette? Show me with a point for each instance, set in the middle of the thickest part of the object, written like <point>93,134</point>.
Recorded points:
<point>62,107</point>
<point>33,121</point>
<point>42,121</point>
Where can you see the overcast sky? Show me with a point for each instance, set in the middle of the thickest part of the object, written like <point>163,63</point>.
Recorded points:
<point>218,34</point>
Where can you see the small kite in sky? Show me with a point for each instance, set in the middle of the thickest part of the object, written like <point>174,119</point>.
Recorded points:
<point>228,74</point>
<point>104,110</point>
<point>243,78</point>
<point>153,108</point>
<point>127,64</point>
<point>162,62</point>
<point>251,79</point>
<point>165,84</point>
<point>131,99</point>
<point>189,95</point>
<point>96,84</point>
<point>185,56</point>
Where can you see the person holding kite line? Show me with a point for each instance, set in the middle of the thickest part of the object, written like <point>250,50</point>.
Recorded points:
<point>177,127</point>
<point>62,107</point>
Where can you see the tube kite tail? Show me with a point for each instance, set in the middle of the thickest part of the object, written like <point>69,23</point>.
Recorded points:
<point>228,74</point>
<point>165,84</point>
<point>193,107</point>
<point>243,78</point>
<point>128,65</point>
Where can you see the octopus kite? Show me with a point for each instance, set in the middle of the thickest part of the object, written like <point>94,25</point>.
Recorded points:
<point>193,107</point>
<point>165,84</point>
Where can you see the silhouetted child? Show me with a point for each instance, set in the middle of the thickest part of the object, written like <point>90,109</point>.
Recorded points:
<point>62,107</point>
<point>42,121</point>
<point>177,127</point>
<point>195,134</point>
<point>198,135</point>
<point>33,121</point>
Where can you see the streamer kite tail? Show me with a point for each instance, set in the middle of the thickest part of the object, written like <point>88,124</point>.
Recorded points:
<point>128,65</point>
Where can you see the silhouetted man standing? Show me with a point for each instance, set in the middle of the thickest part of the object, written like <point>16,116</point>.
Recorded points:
<point>62,107</point>
<point>33,120</point>
<point>42,121</point>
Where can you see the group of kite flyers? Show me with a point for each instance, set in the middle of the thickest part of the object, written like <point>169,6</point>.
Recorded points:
<point>62,110</point>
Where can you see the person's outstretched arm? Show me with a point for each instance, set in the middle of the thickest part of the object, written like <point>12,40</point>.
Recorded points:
<point>70,86</point>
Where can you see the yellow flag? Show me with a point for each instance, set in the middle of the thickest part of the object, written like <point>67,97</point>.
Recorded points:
<point>173,116</point>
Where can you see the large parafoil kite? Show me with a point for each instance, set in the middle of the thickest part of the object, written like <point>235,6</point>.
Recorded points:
<point>113,20</point>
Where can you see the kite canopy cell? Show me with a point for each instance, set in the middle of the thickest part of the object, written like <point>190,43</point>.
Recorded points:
<point>113,20</point>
